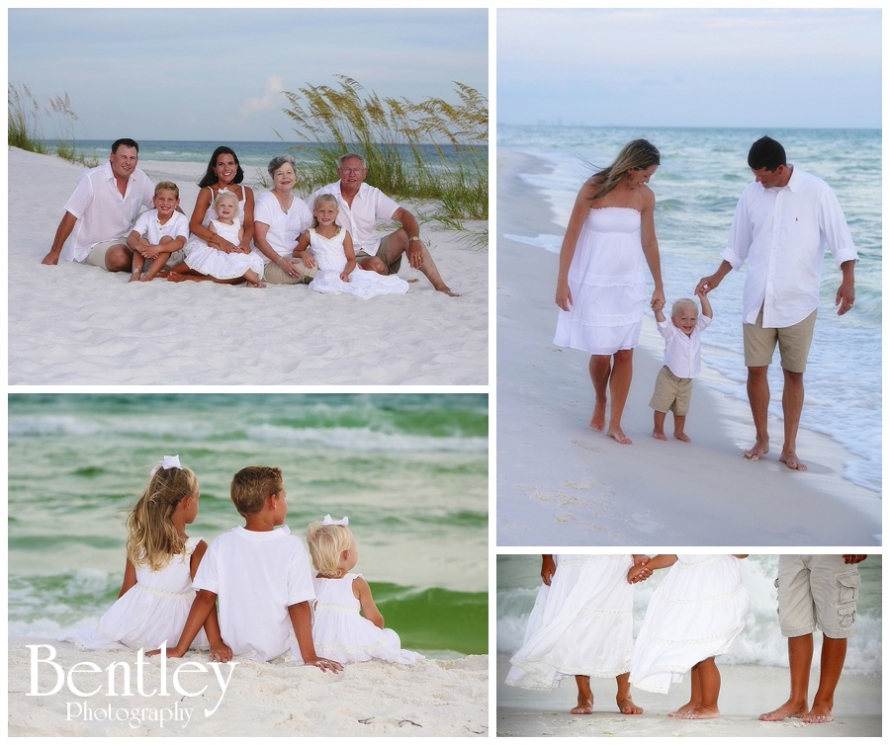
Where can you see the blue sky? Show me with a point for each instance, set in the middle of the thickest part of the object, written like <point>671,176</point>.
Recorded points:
<point>214,74</point>
<point>708,68</point>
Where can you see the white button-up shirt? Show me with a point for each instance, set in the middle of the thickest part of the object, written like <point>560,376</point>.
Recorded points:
<point>682,354</point>
<point>782,233</point>
<point>102,212</point>
<point>369,206</point>
<point>150,227</point>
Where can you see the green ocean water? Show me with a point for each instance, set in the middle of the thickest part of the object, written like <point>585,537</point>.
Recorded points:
<point>410,471</point>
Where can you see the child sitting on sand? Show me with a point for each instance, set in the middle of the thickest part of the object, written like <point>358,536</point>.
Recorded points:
<point>338,631</point>
<point>581,625</point>
<point>158,233</point>
<point>682,362</point>
<point>695,614</point>
<point>261,576</point>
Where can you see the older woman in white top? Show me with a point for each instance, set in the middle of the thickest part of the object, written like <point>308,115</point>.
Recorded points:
<point>279,219</point>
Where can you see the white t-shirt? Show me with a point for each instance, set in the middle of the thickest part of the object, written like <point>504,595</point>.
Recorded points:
<point>369,207</point>
<point>148,226</point>
<point>102,212</point>
<point>284,228</point>
<point>257,575</point>
<point>682,354</point>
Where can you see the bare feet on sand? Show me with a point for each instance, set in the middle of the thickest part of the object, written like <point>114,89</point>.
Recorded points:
<point>659,434</point>
<point>684,709</point>
<point>627,706</point>
<point>616,434</point>
<point>598,418</point>
<point>585,706</point>
<point>818,715</point>
<point>786,710</point>
<point>699,712</point>
<point>758,450</point>
<point>682,436</point>
<point>789,458</point>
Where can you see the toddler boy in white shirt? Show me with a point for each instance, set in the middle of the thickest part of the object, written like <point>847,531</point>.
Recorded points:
<point>158,233</point>
<point>682,362</point>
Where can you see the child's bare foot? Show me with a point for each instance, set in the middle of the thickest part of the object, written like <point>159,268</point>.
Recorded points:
<point>789,458</point>
<point>701,712</point>
<point>786,710</point>
<point>819,714</point>
<point>598,418</point>
<point>759,449</point>
<point>585,706</point>
<point>659,434</point>
<point>134,277</point>
<point>683,710</point>
<point>616,434</point>
<point>627,706</point>
<point>176,277</point>
<point>682,436</point>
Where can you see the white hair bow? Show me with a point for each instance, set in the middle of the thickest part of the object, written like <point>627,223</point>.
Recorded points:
<point>329,521</point>
<point>168,461</point>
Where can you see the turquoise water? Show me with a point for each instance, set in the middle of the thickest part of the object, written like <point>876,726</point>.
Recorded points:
<point>410,471</point>
<point>702,173</point>
<point>761,642</point>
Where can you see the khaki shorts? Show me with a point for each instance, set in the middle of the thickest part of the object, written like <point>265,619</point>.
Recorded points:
<point>381,254</point>
<point>96,256</point>
<point>671,393</point>
<point>794,343</point>
<point>817,592</point>
<point>274,274</point>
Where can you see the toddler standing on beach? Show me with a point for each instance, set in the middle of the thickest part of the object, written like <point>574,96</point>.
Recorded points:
<point>158,233</point>
<point>695,614</point>
<point>338,629</point>
<point>156,593</point>
<point>682,362</point>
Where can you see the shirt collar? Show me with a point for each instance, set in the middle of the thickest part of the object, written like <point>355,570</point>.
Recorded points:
<point>794,181</point>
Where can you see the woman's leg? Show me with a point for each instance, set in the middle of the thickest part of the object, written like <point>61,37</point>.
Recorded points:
<point>600,367</point>
<point>619,386</point>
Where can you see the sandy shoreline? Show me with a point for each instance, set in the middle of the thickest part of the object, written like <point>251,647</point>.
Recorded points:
<point>587,489</point>
<point>746,692</point>
<point>428,698</point>
<point>73,324</point>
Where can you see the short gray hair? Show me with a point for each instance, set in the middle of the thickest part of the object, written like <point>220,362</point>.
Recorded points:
<point>343,158</point>
<point>280,160</point>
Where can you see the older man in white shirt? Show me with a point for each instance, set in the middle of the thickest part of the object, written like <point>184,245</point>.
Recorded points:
<point>101,211</point>
<point>781,225</point>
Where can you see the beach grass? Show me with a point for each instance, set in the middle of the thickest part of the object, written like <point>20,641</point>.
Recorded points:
<point>433,149</point>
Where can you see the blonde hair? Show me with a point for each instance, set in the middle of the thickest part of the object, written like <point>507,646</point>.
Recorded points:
<point>251,485</point>
<point>167,186</point>
<point>683,302</point>
<point>153,539</point>
<point>326,545</point>
<point>226,195</point>
<point>636,155</point>
<point>325,198</point>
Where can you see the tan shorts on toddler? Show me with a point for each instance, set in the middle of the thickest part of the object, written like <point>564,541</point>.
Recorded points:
<point>817,592</point>
<point>671,393</point>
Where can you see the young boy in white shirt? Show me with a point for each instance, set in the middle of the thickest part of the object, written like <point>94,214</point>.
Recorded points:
<point>262,577</point>
<point>682,362</point>
<point>158,233</point>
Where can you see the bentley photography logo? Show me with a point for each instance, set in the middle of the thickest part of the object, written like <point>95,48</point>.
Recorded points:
<point>90,693</point>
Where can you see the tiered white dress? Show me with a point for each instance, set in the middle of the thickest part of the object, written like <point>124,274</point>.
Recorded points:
<point>341,633</point>
<point>151,612</point>
<point>331,258</point>
<point>582,624</point>
<point>219,264</point>
<point>608,284</point>
<point>696,612</point>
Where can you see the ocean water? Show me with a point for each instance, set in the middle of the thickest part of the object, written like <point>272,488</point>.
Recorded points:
<point>761,642</point>
<point>410,471</point>
<point>702,174</point>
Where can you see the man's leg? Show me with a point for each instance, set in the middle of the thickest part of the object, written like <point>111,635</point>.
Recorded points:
<point>119,259</point>
<point>800,657</point>
<point>834,651</point>
<point>758,397</point>
<point>395,244</point>
<point>792,405</point>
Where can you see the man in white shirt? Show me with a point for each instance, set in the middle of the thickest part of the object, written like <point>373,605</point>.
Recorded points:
<point>361,207</point>
<point>101,211</point>
<point>781,225</point>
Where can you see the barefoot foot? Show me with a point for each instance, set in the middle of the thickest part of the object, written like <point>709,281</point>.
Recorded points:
<point>682,436</point>
<point>701,712</point>
<point>759,449</point>
<point>616,434</point>
<point>585,706</point>
<point>819,714</point>
<point>659,435</point>
<point>627,706</point>
<point>789,458</point>
<point>598,418</point>
<point>682,711</point>
<point>786,710</point>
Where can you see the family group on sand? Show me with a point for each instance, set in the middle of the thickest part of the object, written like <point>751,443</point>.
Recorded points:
<point>782,223</point>
<point>329,241</point>
<point>582,626</point>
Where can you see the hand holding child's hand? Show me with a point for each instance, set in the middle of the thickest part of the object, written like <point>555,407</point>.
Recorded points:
<point>639,573</point>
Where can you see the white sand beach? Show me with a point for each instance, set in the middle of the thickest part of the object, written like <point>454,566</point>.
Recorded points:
<point>746,692</point>
<point>560,483</point>
<point>74,324</point>
<point>428,698</point>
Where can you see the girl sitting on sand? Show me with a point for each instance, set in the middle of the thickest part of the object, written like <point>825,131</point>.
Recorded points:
<point>156,594</point>
<point>332,249</point>
<point>695,614</point>
<point>339,632</point>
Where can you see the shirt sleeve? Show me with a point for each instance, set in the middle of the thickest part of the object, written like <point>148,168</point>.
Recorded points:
<point>665,328</point>
<point>182,225</point>
<point>834,227</point>
<point>386,206</point>
<point>299,576</point>
<point>740,234</point>
<point>81,197</point>
<point>703,321</point>
<point>207,576</point>
<point>262,209</point>
<point>141,224</point>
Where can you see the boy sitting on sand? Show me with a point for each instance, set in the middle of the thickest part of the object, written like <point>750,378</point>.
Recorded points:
<point>158,232</point>
<point>262,577</point>
<point>682,362</point>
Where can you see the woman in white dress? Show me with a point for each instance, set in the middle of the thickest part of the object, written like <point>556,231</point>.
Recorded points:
<point>600,288</point>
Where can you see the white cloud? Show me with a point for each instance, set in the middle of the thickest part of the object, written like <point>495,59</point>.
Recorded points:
<point>271,98</point>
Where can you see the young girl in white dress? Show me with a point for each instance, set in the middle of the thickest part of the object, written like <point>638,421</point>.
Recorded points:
<point>695,614</point>
<point>331,247</point>
<point>581,626</point>
<point>346,625</point>
<point>156,594</point>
